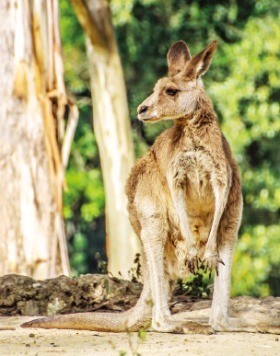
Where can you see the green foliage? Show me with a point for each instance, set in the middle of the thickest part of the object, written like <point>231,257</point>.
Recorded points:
<point>256,257</point>
<point>142,334</point>
<point>73,42</point>
<point>197,285</point>
<point>244,83</point>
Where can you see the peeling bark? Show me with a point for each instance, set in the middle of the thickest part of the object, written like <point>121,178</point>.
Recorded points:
<point>33,100</point>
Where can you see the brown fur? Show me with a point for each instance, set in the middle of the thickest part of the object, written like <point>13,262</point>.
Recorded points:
<point>184,203</point>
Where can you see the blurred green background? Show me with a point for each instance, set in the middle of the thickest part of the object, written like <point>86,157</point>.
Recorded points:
<point>244,84</point>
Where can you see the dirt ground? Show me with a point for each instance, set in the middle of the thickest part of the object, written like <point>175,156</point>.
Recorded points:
<point>17,341</point>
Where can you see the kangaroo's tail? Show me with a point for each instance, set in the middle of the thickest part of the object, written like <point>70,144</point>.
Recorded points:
<point>133,319</point>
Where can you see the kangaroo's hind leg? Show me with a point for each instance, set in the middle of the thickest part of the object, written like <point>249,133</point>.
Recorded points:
<point>153,238</point>
<point>220,319</point>
<point>226,238</point>
<point>154,233</point>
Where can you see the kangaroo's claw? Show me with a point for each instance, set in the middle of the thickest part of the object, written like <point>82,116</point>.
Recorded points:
<point>211,261</point>
<point>193,263</point>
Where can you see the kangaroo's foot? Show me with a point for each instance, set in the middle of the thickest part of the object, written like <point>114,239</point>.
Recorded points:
<point>211,260</point>
<point>245,325</point>
<point>170,325</point>
<point>193,261</point>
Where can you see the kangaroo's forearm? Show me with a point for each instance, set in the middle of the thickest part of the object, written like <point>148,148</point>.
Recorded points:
<point>178,199</point>
<point>221,192</point>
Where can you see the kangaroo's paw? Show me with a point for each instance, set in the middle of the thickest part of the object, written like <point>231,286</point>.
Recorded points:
<point>182,327</point>
<point>211,261</point>
<point>193,261</point>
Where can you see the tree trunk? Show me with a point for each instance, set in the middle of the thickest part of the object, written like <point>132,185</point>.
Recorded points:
<point>33,99</point>
<point>112,130</point>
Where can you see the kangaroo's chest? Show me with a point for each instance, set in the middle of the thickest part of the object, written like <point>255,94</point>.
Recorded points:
<point>192,170</point>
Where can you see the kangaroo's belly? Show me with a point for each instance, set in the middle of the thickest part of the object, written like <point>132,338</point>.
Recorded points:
<point>192,174</point>
<point>200,206</point>
<point>199,193</point>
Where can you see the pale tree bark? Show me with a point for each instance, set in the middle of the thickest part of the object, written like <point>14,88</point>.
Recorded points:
<point>33,100</point>
<point>112,130</point>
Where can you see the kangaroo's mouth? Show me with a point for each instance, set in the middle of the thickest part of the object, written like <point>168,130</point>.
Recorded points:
<point>146,118</point>
<point>154,118</point>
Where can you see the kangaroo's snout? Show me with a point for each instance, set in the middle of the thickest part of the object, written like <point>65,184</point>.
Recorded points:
<point>144,112</point>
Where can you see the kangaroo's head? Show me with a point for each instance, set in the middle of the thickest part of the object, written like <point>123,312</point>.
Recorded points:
<point>177,95</point>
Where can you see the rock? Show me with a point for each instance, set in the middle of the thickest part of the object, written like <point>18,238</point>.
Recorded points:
<point>21,295</point>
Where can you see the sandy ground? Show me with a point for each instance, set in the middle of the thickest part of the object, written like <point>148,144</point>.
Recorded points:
<point>17,341</point>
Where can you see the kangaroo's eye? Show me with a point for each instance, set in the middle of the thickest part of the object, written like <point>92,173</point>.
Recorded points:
<point>171,91</point>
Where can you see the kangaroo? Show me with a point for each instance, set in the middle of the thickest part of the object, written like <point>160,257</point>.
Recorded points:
<point>184,203</point>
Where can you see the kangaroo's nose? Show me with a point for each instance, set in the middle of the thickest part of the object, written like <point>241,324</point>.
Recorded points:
<point>142,109</point>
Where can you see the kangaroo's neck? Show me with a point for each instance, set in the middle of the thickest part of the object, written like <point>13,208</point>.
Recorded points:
<point>202,122</point>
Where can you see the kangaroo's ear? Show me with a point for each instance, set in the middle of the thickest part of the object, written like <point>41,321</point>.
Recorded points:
<point>177,57</point>
<point>201,62</point>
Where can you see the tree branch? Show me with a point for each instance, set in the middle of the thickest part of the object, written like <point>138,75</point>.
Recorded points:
<point>69,133</point>
<point>89,23</point>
